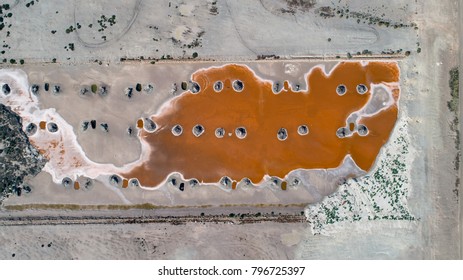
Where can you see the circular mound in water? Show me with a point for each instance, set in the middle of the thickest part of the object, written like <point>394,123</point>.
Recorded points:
<point>241,132</point>
<point>341,132</point>
<point>218,86</point>
<point>219,132</point>
<point>149,125</point>
<point>177,130</point>
<point>238,85</point>
<point>341,89</point>
<point>362,130</point>
<point>362,89</point>
<point>303,129</point>
<point>282,134</point>
<point>195,88</point>
<point>198,130</point>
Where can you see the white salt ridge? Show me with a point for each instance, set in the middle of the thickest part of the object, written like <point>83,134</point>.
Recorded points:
<point>66,157</point>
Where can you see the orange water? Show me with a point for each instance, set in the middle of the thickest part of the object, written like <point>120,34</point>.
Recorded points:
<point>263,113</point>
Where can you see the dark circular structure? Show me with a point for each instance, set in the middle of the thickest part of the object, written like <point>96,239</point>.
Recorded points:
<point>238,85</point>
<point>56,89</point>
<point>93,124</point>
<point>84,125</point>
<point>341,132</point>
<point>52,127</point>
<point>177,130</point>
<point>198,130</point>
<point>246,181</point>
<point>276,87</point>
<point>225,181</point>
<point>241,132</point>
<point>104,127</point>
<point>303,129</point>
<point>341,89</point>
<point>35,89</point>
<point>27,189</point>
<point>282,134</point>
<point>218,86</point>
<point>6,89</point>
<point>294,182</point>
<point>148,88</point>
<point>362,89</point>
<point>129,130</point>
<point>275,181</point>
<point>173,181</point>
<point>87,183</point>
<point>129,92</point>
<point>220,132</point>
<point>85,91</point>
<point>103,91</point>
<point>115,180</point>
<point>31,129</point>
<point>362,130</point>
<point>66,182</point>
<point>134,182</point>
<point>193,182</point>
<point>181,187</point>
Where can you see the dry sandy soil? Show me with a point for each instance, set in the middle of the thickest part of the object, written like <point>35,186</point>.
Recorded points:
<point>357,221</point>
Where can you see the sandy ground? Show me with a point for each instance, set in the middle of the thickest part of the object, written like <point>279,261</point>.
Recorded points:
<point>241,30</point>
<point>433,234</point>
<point>118,148</point>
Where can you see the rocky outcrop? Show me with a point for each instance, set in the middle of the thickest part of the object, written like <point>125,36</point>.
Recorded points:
<point>18,158</point>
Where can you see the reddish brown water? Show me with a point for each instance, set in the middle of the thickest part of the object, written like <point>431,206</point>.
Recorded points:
<point>140,123</point>
<point>125,183</point>
<point>263,113</point>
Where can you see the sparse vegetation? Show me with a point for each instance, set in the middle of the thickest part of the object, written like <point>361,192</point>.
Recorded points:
<point>104,20</point>
<point>70,29</point>
<point>454,87</point>
<point>453,105</point>
<point>384,192</point>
